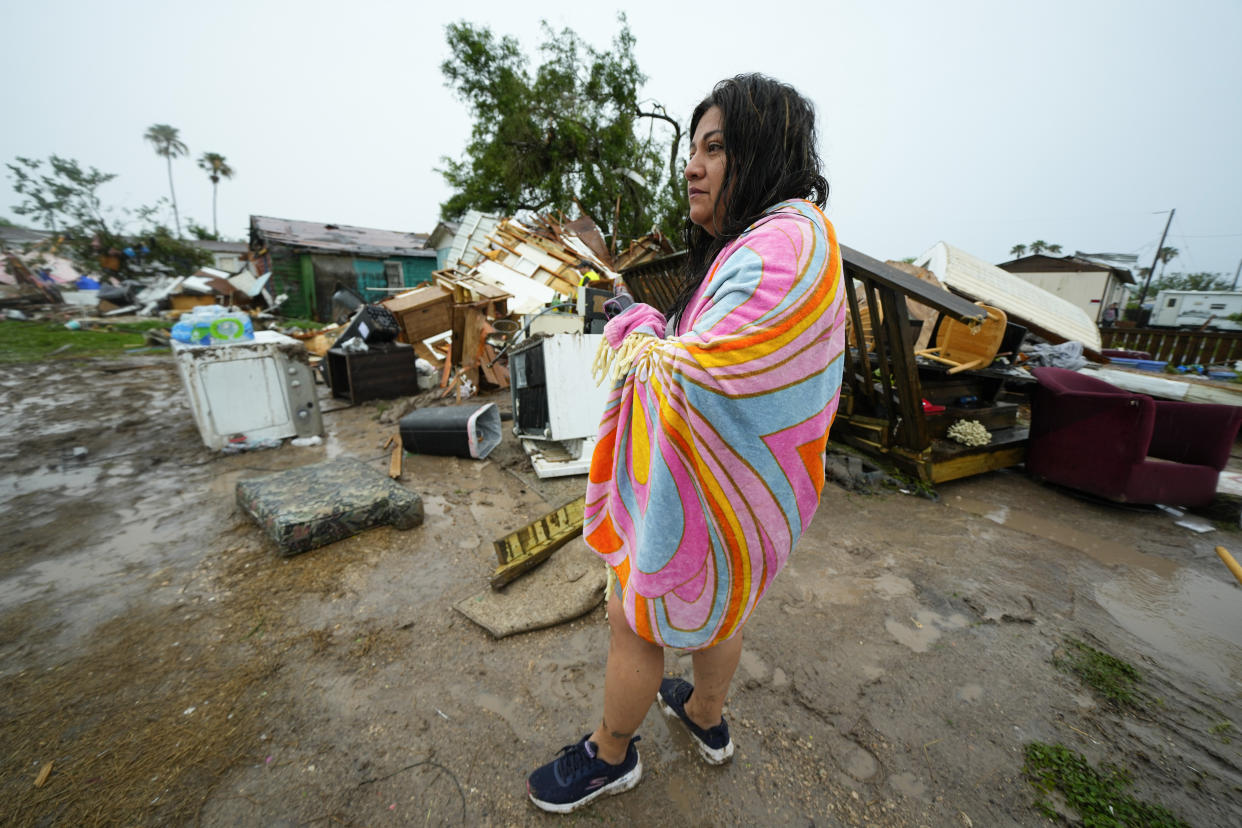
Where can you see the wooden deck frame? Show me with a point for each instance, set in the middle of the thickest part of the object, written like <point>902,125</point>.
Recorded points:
<point>881,411</point>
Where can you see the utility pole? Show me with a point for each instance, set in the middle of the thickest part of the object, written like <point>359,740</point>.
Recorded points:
<point>1152,272</point>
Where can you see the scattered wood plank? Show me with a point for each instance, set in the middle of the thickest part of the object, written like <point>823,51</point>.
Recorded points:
<point>394,462</point>
<point>44,773</point>
<point>523,550</point>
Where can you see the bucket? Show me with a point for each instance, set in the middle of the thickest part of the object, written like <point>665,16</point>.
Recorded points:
<point>458,430</point>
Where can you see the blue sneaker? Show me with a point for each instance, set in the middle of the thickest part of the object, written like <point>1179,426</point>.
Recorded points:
<point>713,744</point>
<point>577,775</point>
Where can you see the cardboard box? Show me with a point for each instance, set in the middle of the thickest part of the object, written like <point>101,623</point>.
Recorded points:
<point>186,301</point>
<point>422,313</point>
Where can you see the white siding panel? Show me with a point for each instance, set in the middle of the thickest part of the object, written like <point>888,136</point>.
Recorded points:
<point>987,283</point>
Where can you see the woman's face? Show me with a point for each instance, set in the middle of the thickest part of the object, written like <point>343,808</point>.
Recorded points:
<point>705,172</point>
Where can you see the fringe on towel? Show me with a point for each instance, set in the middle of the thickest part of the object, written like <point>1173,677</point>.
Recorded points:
<point>614,365</point>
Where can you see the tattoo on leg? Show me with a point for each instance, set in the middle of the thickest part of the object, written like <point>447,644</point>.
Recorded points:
<point>616,734</point>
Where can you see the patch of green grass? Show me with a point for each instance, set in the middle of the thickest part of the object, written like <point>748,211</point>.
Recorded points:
<point>37,340</point>
<point>302,324</point>
<point>1221,730</point>
<point>1111,677</point>
<point>1098,795</point>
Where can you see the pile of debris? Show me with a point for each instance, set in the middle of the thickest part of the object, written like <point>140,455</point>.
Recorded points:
<point>506,279</point>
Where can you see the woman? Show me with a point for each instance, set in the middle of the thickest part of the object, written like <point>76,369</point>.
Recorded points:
<point>709,461</point>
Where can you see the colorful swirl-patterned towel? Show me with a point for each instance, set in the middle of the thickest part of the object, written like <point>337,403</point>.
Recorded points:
<point>709,462</point>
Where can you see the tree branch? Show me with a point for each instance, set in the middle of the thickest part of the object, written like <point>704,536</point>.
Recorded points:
<point>672,153</point>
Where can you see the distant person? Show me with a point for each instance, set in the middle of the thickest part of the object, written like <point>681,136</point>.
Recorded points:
<point>709,459</point>
<point>1109,317</point>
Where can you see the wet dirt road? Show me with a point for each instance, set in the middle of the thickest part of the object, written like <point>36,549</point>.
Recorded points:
<point>174,670</point>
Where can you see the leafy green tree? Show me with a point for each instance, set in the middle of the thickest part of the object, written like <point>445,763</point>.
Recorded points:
<point>1054,248</point>
<point>1038,246</point>
<point>168,145</point>
<point>182,256</point>
<point>64,197</point>
<point>200,232</point>
<point>1190,281</point>
<point>216,168</point>
<point>567,134</point>
<point>1018,251</point>
<point>61,195</point>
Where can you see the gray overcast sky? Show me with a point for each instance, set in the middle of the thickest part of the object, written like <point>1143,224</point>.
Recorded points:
<point>983,124</point>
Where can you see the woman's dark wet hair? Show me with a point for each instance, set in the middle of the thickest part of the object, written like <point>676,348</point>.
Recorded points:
<point>770,156</point>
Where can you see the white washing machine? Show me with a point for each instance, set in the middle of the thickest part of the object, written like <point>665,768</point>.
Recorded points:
<point>256,390</point>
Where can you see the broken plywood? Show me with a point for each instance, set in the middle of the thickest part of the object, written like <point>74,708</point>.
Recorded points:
<point>567,586</point>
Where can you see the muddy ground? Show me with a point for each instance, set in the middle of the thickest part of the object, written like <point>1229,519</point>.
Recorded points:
<point>175,670</point>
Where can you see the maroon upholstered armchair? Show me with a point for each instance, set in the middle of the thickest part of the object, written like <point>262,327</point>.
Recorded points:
<point>1095,437</point>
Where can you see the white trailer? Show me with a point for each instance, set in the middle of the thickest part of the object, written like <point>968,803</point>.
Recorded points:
<point>1195,309</point>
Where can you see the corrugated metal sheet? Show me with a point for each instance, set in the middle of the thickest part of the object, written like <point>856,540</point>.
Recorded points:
<point>1048,315</point>
<point>340,238</point>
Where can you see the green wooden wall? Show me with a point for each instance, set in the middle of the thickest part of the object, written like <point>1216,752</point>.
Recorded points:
<point>288,278</point>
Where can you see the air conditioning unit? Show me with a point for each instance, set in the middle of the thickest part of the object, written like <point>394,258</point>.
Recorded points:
<point>556,404</point>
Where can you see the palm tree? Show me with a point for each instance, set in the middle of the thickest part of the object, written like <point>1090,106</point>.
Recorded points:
<point>217,168</point>
<point>1166,255</point>
<point>168,145</point>
<point>1038,246</point>
<point>1018,251</point>
<point>1054,248</point>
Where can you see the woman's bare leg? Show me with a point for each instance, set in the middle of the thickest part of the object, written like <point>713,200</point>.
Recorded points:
<point>713,672</point>
<point>631,680</point>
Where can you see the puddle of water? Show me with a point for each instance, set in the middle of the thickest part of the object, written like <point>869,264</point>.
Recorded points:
<point>70,480</point>
<point>1186,617</point>
<point>924,628</point>
<point>1103,550</point>
<point>753,665</point>
<point>890,586</point>
<point>575,672</point>
<point>143,543</point>
<point>1191,619</point>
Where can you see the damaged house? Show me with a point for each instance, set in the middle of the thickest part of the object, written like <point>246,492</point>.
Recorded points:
<point>310,261</point>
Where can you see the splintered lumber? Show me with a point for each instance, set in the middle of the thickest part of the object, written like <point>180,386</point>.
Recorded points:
<point>44,773</point>
<point>398,452</point>
<point>531,545</point>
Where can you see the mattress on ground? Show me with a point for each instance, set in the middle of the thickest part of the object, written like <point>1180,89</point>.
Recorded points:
<point>307,507</point>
